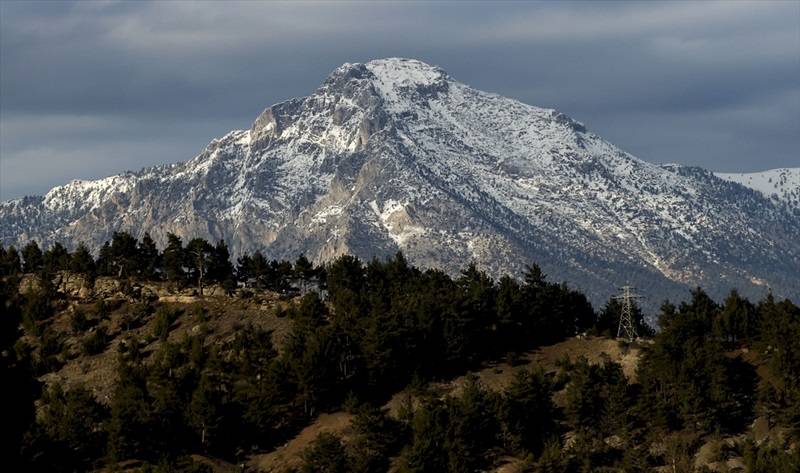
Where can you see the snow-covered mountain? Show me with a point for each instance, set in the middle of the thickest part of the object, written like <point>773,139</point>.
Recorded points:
<point>394,154</point>
<point>781,185</point>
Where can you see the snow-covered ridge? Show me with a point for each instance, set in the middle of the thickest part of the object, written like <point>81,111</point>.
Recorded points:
<point>87,195</point>
<point>782,184</point>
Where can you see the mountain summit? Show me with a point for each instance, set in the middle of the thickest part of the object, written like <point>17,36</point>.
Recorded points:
<point>394,154</point>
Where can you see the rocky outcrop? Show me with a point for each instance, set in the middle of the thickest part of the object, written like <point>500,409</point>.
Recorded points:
<point>215,290</point>
<point>29,283</point>
<point>107,287</point>
<point>80,286</point>
<point>73,284</point>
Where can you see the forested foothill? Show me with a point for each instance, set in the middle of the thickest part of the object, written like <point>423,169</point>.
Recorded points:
<point>716,387</point>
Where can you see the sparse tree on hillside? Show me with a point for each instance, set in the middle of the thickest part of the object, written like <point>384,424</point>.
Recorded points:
<point>376,437</point>
<point>123,254</point>
<point>326,454</point>
<point>200,257</point>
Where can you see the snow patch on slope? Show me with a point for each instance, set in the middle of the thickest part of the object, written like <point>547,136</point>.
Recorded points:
<point>396,221</point>
<point>782,184</point>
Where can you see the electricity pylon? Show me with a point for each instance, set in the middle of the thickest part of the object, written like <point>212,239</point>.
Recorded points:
<point>626,322</point>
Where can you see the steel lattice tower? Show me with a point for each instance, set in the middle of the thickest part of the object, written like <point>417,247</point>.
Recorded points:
<point>626,322</point>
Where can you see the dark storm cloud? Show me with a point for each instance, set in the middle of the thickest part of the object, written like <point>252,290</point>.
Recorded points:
<point>93,88</point>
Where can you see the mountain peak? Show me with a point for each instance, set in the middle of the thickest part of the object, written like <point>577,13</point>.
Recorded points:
<point>390,77</point>
<point>393,154</point>
<point>402,71</point>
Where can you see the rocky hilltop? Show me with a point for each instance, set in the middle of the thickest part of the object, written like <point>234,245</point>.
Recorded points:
<point>395,154</point>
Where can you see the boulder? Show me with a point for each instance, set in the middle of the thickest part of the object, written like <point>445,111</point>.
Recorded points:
<point>761,429</point>
<point>147,293</point>
<point>159,289</point>
<point>29,283</point>
<point>215,290</point>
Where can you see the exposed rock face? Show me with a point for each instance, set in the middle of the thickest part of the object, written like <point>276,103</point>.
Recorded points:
<point>29,283</point>
<point>79,286</point>
<point>73,284</point>
<point>68,283</point>
<point>105,287</point>
<point>396,155</point>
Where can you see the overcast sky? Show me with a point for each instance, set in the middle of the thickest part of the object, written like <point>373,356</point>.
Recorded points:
<point>90,89</point>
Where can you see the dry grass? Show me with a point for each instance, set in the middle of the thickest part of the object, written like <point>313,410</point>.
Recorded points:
<point>290,455</point>
<point>498,376</point>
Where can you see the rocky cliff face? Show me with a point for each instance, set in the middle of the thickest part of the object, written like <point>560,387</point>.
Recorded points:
<point>395,155</point>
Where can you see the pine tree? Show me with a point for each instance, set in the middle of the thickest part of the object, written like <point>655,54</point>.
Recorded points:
<point>203,413</point>
<point>326,454</point>
<point>32,258</point>
<point>220,268</point>
<point>685,376</point>
<point>81,261</point>
<point>303,269</point>
<point>56,258</point>
<point>509,313</point>
<point>124,254</point>
<point>104,263</point>
<point>426,453</point>
<point>597,397</point>
<point>129,428</point>
<point>174,259</point>
<point>527,412</point>
<point>736,320</point>
<point>534,276</point>
<point>243,265</point>
<point>376,437</point>
<point>148,259</point>
<point>70,419</point>
<point>472,428</point>
<point>10,263</point>
<point>258,268</point>
<point>15,371</point>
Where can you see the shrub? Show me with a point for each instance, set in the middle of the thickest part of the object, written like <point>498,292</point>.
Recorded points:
<point>164,319</point>
<point>96,342</point>
<point>325,455</point>
<point>79,322</point>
